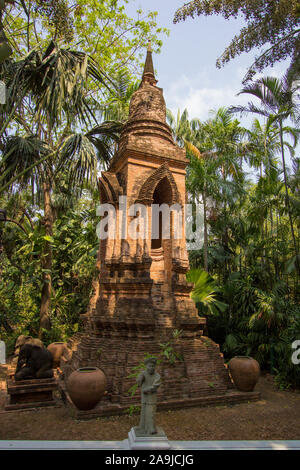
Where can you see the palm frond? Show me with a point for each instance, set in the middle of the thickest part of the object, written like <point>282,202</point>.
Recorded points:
<point>56,80</point>
<point>77,155</point>
<point>205,290</point>
<point>21,156</point>
<point>192,149</point>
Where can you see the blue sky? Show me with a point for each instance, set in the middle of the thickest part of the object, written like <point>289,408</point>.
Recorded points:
<point>186,67</point>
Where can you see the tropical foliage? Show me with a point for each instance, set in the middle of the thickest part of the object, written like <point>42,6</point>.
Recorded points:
<point>69,62</point>
<point>270,23</point>
<point>69,80</point>
<point>249,288</point>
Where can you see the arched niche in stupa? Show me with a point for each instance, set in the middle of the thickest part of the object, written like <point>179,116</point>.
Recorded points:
<point>148,187</point>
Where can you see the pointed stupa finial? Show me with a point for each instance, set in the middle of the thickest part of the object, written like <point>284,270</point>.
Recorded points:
<point>148,75</point>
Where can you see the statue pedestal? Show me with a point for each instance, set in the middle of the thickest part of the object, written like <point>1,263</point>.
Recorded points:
<point>157,441</point>
<point>26,394</point>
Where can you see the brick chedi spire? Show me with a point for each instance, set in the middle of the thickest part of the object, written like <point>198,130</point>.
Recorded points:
<point>146,126</point>
<point>148,75</point>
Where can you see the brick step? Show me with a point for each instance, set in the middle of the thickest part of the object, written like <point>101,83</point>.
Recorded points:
<point>23,386</point>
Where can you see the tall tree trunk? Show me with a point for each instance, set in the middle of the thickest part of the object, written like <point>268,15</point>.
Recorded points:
<point>205,244</point>
<point>46,262</point>
<point>288,206</point>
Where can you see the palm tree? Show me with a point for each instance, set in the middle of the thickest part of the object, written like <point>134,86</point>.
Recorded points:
<point>220,141</point>
<point>180,126</point>
<point>203,182</point>
<point>53,84</point>
<point>215,175</point>
<point>116,108</point>
<point>263,145</point>
<point>223,136</point>
<point>277,105</point>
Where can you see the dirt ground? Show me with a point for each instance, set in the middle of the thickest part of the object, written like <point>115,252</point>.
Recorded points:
<point>275,417</point>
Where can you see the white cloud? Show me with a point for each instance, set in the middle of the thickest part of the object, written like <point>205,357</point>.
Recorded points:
<point>198,96</point>
<point>211,88</point>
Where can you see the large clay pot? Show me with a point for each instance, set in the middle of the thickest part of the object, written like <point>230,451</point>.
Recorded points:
<point>57,350</point>
<point>245,372</point>
<point>86,386</point>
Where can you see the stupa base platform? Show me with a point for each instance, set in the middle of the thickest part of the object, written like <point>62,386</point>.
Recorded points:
<point>106,408</point>
<point>198,378</point>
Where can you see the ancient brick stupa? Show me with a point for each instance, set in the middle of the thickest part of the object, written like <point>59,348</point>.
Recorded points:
<point>141,294</point>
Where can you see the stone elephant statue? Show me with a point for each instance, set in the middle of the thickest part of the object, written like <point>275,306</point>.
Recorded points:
<point>21,340</point>
<point>34,363</point>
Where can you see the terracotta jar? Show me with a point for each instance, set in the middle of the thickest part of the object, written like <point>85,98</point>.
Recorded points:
<point>245,372</point>
<point>86,386</point>
<point>58,350</point>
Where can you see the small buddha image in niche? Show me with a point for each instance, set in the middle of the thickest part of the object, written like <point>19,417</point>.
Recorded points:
<point>149,381</point>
